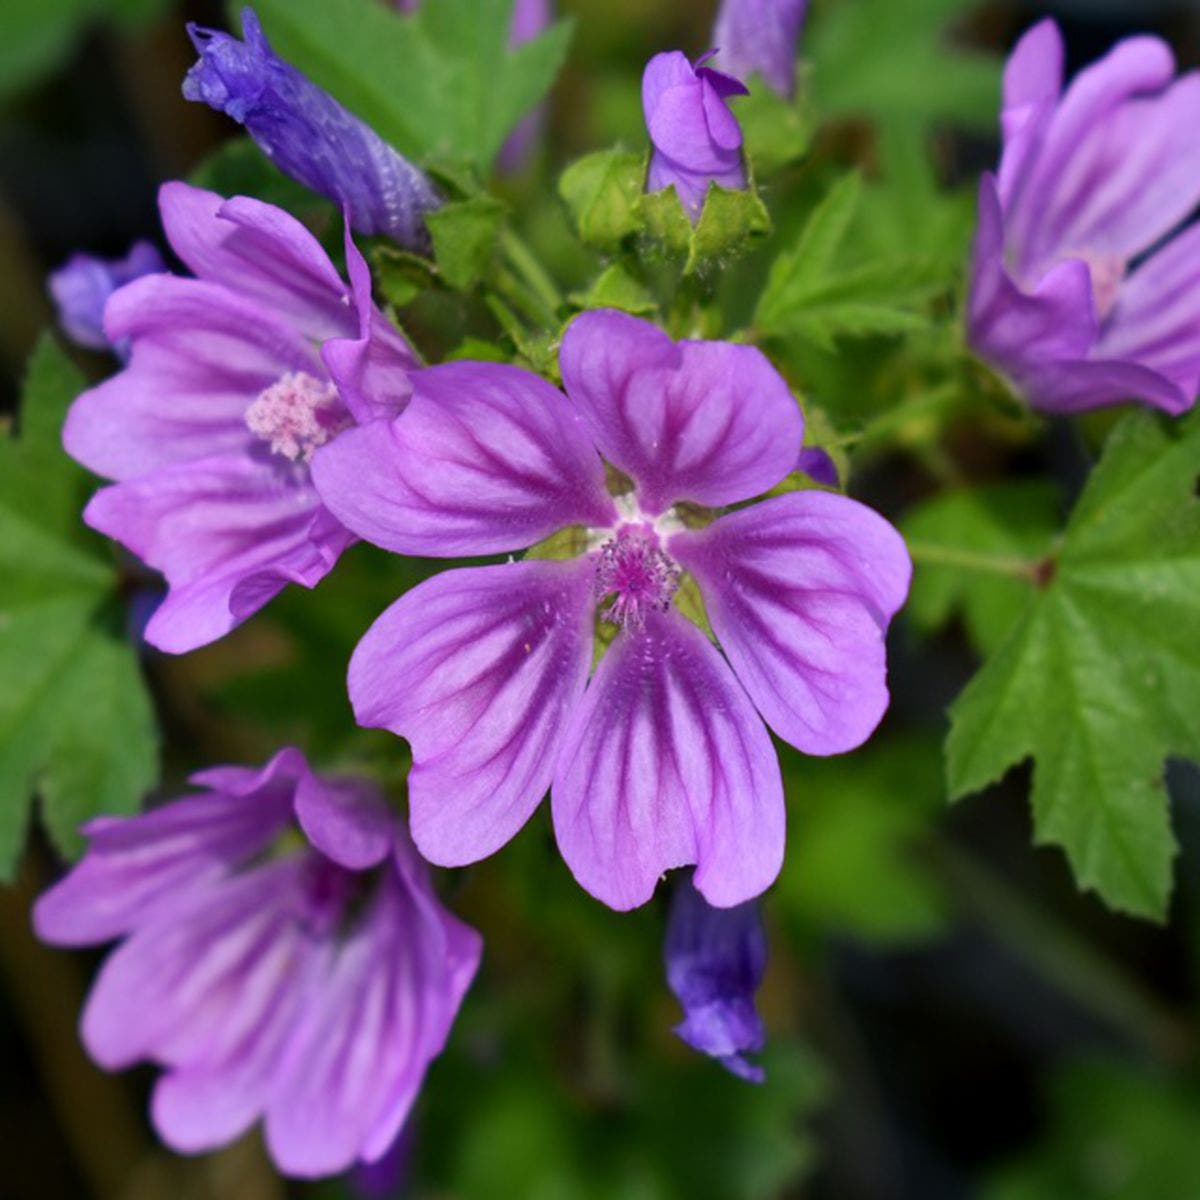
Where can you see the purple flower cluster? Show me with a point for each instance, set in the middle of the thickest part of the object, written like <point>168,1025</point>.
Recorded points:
<point>283,958</point>
<point>1081,291</point>
<point>663,758</point>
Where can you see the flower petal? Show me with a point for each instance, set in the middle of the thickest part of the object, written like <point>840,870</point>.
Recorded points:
<point>134,863</point>
<point>228,532</point>
<point>479,668</point>
<point>372,370</point>
<point>710,422</point>
<point>200,356</point>
<point>800,589</point>
<point>262,253</point>
<point>486,458</point>
<point>358,1056</point>
<point>348,820</point>
<point>665,762</point>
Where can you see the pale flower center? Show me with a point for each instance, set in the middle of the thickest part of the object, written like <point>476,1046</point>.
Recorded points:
<point>297,414</point>
<point>1107,272</point>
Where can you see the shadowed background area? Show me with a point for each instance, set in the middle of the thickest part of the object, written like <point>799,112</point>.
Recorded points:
<point>949,1018</point>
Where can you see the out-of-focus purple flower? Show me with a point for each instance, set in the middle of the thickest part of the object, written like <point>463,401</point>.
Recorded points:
<point>234,379</point>
<point>1075,295</point>
<point>716,958</point>
<point>696,140</point>
<point>80,289</point>
<point>305,981</point>
<point>662,759</point>
<point>818,466</point>
<point>308,134</point>
<point>762,36</point>
<point>530,17</point>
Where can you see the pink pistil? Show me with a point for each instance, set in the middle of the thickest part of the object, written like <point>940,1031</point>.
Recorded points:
<point>634,569</point>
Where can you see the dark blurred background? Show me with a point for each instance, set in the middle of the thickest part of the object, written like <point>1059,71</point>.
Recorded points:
<point>951,1017</point>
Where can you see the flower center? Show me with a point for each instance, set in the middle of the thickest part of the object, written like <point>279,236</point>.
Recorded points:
<point>634,569</point>
<point>1107,272</point>
<point>297,414</point>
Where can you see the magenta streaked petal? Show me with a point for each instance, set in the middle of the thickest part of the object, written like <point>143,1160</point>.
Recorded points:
<point>355,1062</point>
<point>195,980</point>
<point>800,590</point>
<point>1074,386</point>
<point>371,370</point>
<point>262,253</point>
<point>1032,84</point>
<point>135,863</point>
<point>200,355</point>
<point>710,422</point>
<point>228,532</point>
<point>486,458</point>
<point>348,820</point>
<point>479,669</point>
<point>666,763</point>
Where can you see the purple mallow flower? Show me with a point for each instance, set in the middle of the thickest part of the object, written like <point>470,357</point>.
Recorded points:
<point>695,139</point>
<point>308,134</point>
<point>661,760</point>
<point>235,378</point>
<point>1078,293</point>
<point>283,956</point>
<point>716,958</point>
<point>80,289</point>
<point>760,36</point>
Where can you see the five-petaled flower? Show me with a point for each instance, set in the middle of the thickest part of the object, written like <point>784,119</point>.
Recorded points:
<point>1091,180</point>
<point>662,760</point>
<point>283,956</point>
<point>235,378</point>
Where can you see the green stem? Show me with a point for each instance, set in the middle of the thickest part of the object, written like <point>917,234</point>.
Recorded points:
<point>523,260</point>
<point>970,560</point>
<point>1063,958</point>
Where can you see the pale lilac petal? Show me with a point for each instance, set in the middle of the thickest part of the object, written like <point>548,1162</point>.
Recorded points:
<point>346,819</point>
<point>1157,319</point>
<point>371,370</point>
<point>262,253</point>
<point>710,422</point>
<point>189,986</point>
<point>486,458</point>
<point>762,36</point>
<point>1032,84</point>
<point>666,763</point>
<point>800,589</point>
<point>359,1056</point>
<point>1017,330</point>
<point>1074,386</point>
<point>479,669</point>
<point>133,864</point>
<point>275,781</point>
<point>1036,215</point>
<point>228,532</point>
<point>200,356</point>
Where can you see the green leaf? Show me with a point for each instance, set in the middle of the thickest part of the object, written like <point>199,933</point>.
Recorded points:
<point>1117,1133</point>
<point>239,168</point>
<point>776,131</point>
<point>464,235</point>
<point>602,191</point>
<point>853,866</point>
<point>1099,680</point>
<point>810,295</point>
<point>35,37</point>
<point>998,534</point>
<point>895,61</point>
<point>76,723</point>
<point>442,83</point>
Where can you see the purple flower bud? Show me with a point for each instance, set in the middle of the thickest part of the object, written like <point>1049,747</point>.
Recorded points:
<point>308,134</point>
<point>715,960</point>
<point>818,466</point>
<point>696,139</point>
<point>760,35</point>
<point>80,289</point>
